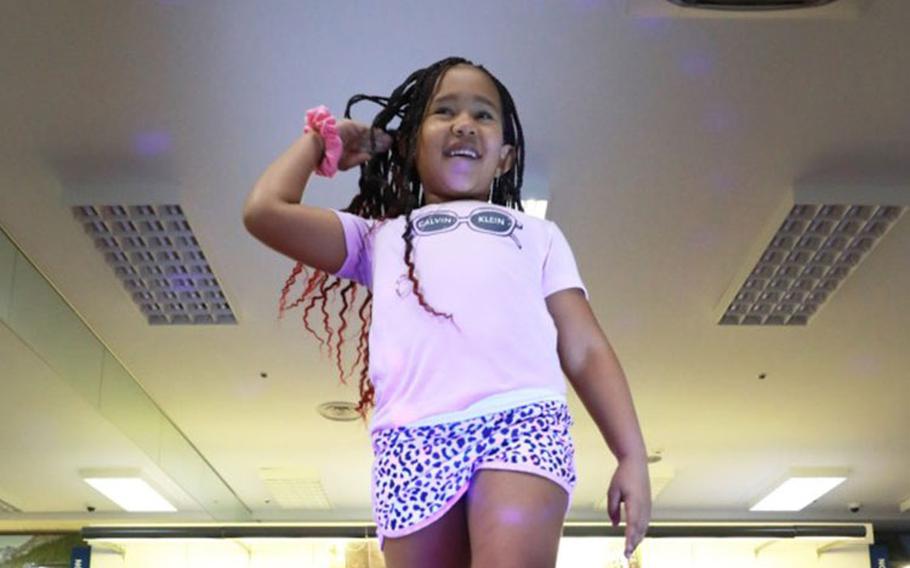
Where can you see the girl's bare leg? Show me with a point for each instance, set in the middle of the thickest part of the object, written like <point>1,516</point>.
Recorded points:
<point>515,519</point>
<point>442,544</point>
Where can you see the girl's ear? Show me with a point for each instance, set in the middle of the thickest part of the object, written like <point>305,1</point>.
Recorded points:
<point>506,158</point>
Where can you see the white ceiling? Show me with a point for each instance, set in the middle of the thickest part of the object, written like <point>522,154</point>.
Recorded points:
<point>665,144</point>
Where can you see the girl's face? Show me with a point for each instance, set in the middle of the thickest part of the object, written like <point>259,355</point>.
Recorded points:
<point>459,145</point>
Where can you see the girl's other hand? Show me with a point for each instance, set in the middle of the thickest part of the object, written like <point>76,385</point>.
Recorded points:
<point>355,138</point>
<point>631,485</point>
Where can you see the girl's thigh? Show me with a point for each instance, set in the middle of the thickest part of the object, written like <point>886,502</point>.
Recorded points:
<point>443,543</point>
<point>515,519</point>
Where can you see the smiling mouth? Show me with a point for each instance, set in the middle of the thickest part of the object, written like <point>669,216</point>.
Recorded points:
<point>465,153</point>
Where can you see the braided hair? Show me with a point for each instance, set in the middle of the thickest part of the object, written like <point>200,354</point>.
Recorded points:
<point>389,187</point>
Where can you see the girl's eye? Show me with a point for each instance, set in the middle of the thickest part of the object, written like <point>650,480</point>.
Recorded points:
<point>485,114</point>
<point>443,109</point>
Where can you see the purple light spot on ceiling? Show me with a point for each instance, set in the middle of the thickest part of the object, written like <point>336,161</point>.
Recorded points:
<point>722,182</point>
<point>180,284</point>
<point>705,238</point>
<point>151,143</point>
<point>652,24</point>
<point>696,65</point>
<point>589,4</point>
<point>865,365</point>
<point>719,119</point>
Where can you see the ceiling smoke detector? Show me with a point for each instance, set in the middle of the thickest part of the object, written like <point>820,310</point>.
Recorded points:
<point>750,5</point>
<point>153,252</point>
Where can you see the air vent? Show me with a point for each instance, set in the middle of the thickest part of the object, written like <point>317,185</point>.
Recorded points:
<point>750,5</point>
<point>154,254</point>
<point>819,237</point>
<point>814,250</point>
<point>295,488</point>
<point>338,411</point>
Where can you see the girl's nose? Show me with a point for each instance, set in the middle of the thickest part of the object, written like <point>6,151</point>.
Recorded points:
<point>464,126</point>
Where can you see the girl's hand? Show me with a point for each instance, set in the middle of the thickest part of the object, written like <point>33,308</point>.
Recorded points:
<point>631,485</point>
<point>355,138</point>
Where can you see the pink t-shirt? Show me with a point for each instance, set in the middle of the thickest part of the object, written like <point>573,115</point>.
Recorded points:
<point>488,266</point>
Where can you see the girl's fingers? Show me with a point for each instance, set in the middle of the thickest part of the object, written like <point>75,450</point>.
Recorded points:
<point>613,500</point>
<point>383,141</point>
<point>349,161</point>
<point>379,143</point>
<point>633,538</point>
<point>382,137</point>
<point>636,526</point>
<point>630,531</point>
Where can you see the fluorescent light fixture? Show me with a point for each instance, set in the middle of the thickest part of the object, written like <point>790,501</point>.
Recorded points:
<point>905,505</point>
<point>535,207</point>
<point>800,490</point>
<point>130,491</point>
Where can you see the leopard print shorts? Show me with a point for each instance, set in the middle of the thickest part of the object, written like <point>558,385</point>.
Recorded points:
<point>420,472</point>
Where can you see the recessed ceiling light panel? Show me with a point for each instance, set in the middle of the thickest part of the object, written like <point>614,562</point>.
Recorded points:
<point>801,488</point>
<point>129,489</point>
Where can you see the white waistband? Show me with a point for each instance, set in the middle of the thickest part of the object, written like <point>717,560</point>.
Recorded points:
<point>491,404</point>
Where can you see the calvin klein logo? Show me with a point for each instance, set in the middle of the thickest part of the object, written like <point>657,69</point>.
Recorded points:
<point>484,220</point>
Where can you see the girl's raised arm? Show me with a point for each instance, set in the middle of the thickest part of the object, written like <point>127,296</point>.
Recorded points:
<point>274,214</point>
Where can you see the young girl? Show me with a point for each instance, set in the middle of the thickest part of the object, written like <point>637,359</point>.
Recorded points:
<point>474,310</point>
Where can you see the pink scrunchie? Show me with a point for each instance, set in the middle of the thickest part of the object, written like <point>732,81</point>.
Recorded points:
<point>321,121</point>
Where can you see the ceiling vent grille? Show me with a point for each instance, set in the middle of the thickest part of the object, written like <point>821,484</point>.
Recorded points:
<point>154,254</point>
<point>810,255</point>
<point>750,5</point>
<point>818,237</point>
<point>295,487</point>
<point>339,411</point>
